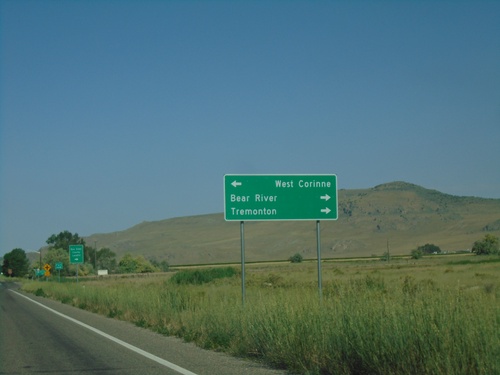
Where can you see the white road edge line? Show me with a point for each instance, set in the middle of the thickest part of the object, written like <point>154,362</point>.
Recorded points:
<point>159,360</point>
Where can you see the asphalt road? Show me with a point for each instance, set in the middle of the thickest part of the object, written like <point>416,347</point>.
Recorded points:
<point>41,336</point>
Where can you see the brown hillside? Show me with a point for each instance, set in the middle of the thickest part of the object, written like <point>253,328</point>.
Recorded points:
<point>400,214</point>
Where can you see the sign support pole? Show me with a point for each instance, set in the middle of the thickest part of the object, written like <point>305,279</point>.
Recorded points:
<point>242,235</point>
<point>318,240</point>
<point>76,256</point>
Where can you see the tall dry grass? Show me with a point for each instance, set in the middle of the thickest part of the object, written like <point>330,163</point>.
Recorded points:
<point>372,319</point>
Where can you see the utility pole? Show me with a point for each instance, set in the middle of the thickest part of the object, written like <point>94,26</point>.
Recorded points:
<point>95,257</point>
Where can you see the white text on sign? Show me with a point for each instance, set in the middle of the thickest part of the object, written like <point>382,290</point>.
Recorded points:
<point>258,198</point>
<point>303,184</point>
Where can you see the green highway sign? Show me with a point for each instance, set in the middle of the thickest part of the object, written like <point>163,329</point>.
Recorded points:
<point>76,254</point>
<point>280,197</point>
<point>59,266</point>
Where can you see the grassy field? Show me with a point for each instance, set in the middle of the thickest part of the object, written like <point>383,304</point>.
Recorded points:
<point>437,315</point>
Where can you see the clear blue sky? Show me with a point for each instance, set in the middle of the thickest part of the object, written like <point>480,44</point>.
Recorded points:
<point>118,112</point>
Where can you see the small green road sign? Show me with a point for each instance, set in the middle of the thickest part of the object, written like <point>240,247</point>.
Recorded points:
<point>280,197</point>
<point>76,254</point>
<point>59,266</point>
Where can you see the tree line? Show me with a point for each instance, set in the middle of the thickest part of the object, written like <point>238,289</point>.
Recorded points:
<point>489,245</point>
<point>17,264</point>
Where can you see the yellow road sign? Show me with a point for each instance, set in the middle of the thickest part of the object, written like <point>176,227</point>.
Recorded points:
<point>47,267</point>
<point>47,273</point>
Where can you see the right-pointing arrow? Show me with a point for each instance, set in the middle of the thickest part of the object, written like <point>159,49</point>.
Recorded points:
<point>326,197</point>
<point>326,210</point>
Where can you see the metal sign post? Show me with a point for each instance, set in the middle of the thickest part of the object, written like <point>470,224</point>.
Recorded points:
<point>76,255</point>
<point>242,236</point>
<point>59,267</point>
<point>318,241</point>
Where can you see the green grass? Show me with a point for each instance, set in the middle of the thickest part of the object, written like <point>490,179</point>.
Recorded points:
<point>475,260</point>
<point>202,276</point>
<point>427,317</point>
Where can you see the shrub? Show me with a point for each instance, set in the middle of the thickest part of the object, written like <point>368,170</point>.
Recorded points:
<point>417,254</point>
<point>386,257</point>
<point>297,258</point>
<point>488,245</point>
<point>429,249</point>
<point>137,264</point>
<point>162,266</point>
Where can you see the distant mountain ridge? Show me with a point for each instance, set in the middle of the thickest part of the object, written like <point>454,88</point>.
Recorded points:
<point>398,215</point>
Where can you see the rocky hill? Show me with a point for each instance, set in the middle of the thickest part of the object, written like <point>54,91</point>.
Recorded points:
<point>398,215</point>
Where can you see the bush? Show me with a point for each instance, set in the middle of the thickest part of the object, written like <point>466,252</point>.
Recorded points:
<point>488,245</point>
<point>131,264</point>
<point>162,266</point>
<point>40,293</point>
<point>297,258</point>
<point>417,254</point>
<point>429,248</point>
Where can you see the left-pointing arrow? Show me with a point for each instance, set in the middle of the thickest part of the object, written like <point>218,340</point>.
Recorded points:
<point>236,183</point>
<point>325,210</point>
